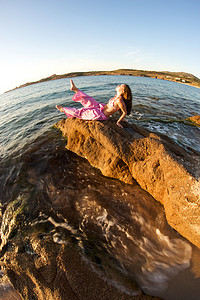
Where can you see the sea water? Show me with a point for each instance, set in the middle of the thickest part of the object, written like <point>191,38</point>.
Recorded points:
<point>157,105</point>
<point>123,237</point>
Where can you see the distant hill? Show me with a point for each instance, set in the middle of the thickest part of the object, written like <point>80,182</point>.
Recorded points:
<point>165,75</point>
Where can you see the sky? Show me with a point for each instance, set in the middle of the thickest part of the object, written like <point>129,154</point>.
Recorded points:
<point>44,37</point>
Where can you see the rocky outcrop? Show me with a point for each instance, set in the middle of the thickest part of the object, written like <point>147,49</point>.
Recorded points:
<point>194,119</point>
<point>41,269</point>
<point>45,250</point>
<point>161,167</point>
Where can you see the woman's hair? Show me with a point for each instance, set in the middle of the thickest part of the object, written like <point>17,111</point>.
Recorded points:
<point>127,97</point>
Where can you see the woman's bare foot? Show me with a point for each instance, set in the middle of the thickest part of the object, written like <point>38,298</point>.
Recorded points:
<point>73,87</point>
<point>60,108</point>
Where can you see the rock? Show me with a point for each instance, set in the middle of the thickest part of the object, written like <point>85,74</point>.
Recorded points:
<point>6,289</point>
<point>46,270</point>
<point>43,261</point>
<point>161,167</point>
<point>195,119</point>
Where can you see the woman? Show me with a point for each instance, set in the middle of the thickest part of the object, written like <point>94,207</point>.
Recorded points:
<point>93,110</point>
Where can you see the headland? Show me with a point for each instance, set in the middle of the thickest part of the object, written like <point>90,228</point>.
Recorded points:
<point>180,77</point>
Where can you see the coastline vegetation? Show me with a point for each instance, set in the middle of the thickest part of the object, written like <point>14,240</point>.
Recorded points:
<point>180,77</point>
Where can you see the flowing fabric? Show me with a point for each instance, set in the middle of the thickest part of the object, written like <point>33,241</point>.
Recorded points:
<point>91,110</point>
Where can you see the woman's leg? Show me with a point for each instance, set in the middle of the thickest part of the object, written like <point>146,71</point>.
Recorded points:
<point>71,112</point>
<point>84,99</point>
<point>73,87</point>
<point>60,108</point>
<point>92,109</point>
<point>83,113</point>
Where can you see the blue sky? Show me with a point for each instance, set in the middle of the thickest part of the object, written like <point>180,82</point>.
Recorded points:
<point>44,37</point>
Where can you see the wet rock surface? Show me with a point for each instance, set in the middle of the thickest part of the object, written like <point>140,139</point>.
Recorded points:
<point>195,119</point>
<point>70,233</point>
<point>45,270</point>
<point>161,167</point>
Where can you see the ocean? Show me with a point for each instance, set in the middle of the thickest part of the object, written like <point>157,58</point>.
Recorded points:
<point>131,241</point>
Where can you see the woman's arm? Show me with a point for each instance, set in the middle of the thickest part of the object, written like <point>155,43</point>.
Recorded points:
<point>123,111</point>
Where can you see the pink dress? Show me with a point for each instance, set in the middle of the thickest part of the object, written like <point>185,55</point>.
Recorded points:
<point>91,110</point>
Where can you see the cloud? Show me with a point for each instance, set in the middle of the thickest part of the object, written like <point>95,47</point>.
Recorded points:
<point>132,53</point>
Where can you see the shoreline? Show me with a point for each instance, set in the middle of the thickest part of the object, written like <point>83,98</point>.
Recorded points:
<point>179,77</point>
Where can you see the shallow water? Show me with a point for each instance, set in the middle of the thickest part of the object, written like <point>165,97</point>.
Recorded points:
<point>121,229</point>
